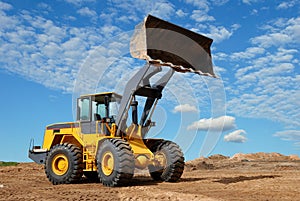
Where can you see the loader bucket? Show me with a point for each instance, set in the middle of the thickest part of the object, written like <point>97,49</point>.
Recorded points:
<point>165,44</point>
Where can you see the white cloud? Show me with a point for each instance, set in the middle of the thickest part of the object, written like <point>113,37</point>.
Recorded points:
<point>7,22</point>
<point>200,16</point>
<point>273,39</point>
<point>44,6</point>
<point>73,44</point>
<point>127,18</point>
<point>181,13</point>
<point>235,27</point>
<point>87,12</point>
<point>281,68</point>
<point>219,2</point>
<point>293,29</point>
<point>221,56</point>
<point>219,33</point>
<point>223,123</point>
<point>272,97</point>
<point>251,1</point>
<point>163,10</point>
<point>249,53</point>
<point>266,84</point>
<point>42,51</point>
<point>289,135</point>
<point>79,2</point>
<point>129,11</point>
<point>236,136</point>
<point>5,6</point>
<point>181,90</point>
<point>51,50</point>
<point>185,108</point>
<point>287,4</point>
<point>254,12</point>
<point>280,33</point>
<point>201,4</point>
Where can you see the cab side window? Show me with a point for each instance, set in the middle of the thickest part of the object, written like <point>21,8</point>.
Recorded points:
<point>84,109</point>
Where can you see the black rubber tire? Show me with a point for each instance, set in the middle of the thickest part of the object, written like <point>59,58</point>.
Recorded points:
<point>155,172</point>
<point>174,162</point>
<point>92,176</point>
<point>123,158</point>
<point>75,165</point>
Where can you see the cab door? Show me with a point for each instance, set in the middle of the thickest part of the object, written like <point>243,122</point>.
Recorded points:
<point>84,115</point>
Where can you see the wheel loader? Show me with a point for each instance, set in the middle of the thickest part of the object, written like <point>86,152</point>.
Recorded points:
<point>105,144</point>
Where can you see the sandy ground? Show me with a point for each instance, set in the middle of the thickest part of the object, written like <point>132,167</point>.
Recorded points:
<point>214,178</point>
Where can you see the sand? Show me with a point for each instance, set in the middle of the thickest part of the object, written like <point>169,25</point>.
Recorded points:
<point>259,176</point>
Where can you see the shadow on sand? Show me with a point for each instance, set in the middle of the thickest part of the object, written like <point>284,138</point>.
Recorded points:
<point>144,181</point>
<point>229,180</point>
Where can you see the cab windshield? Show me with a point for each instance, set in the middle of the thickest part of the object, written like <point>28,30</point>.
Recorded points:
<point>99,107</point>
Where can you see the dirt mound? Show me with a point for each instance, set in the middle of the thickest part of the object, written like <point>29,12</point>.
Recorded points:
<point>198,165</point>
<point>210,163</point>
<point>242,161</point>
<point>260,156</point>
<point>294,157</point>
<point>218,157</point>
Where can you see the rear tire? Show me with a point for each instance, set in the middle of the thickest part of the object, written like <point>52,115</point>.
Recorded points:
<point>63,164</point>
<point>171,161</point>
<point>115,162</point>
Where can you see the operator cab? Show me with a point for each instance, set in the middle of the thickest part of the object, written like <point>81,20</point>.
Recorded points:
<point>96,109</point>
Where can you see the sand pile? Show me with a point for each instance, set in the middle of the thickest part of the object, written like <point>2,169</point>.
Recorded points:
<point>260,156</point>
<point>239,160</point>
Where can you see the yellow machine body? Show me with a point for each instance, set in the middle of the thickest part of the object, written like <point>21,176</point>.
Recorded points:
<point>71,132</point>
<point>89,144</point>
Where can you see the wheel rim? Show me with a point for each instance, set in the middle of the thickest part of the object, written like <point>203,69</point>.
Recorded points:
<point>60,164</point>
<point>161,159</point>
<point>107,163</point>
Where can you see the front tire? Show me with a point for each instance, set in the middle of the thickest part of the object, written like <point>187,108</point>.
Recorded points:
<point>115,162</point>
<point>170,161</point>
<point>64,164</point>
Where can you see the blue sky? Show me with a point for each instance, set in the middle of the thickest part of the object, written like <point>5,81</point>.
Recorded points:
<point>46,47</point>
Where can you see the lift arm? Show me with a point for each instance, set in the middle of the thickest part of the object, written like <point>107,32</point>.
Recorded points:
<point>140,85</point>
<point>161,44</point>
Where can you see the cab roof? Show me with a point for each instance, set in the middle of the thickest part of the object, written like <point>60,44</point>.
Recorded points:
<point>99,97</point>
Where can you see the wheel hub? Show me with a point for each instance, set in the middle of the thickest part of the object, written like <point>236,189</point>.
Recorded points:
<point>107,163</point>
<point>161,159</point>
<point>60,164</point>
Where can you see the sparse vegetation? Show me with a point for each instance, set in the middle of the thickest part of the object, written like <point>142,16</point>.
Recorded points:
<point>2,163</point>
